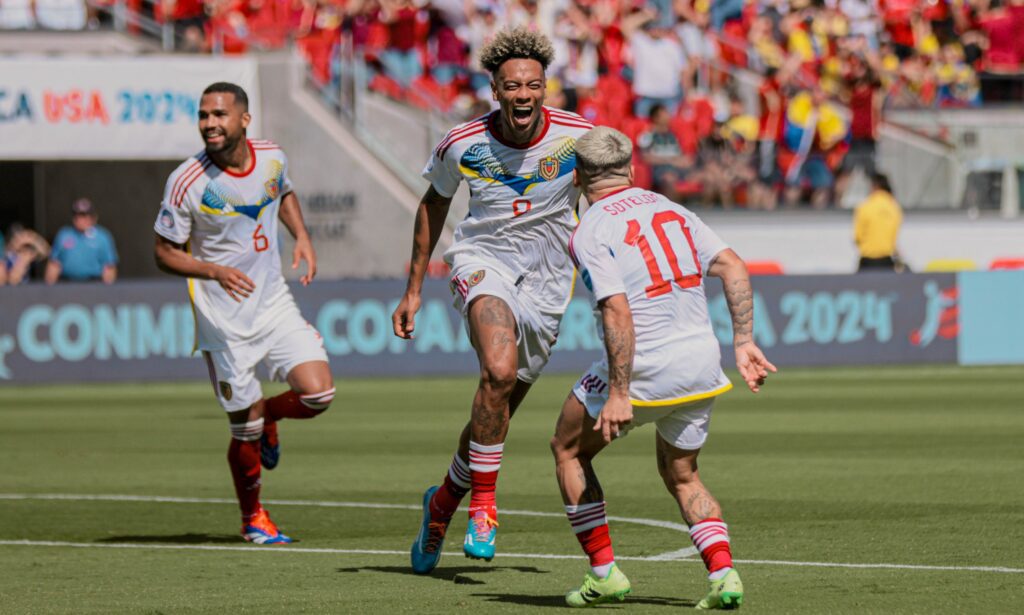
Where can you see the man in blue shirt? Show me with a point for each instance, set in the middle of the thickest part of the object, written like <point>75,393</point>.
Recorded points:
<point>83,251</point>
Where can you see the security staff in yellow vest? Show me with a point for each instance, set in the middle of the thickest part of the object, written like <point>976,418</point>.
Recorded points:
<point>876,223</point>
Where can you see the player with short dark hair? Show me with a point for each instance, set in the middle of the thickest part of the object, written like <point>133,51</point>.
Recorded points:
<point>218,227</point>
<point>644,259</point>
<point>511,276</point>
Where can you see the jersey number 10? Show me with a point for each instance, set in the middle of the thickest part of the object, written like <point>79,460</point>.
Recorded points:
<point>659,285</point>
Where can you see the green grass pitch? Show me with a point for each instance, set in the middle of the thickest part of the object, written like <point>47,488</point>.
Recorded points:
<point>911,467</point>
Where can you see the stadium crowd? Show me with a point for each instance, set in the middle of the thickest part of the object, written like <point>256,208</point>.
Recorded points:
<point>662,71</point>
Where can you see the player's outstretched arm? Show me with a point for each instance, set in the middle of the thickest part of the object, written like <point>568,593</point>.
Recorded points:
<point>620,344</point>
<point>739,295</point>
<point>291,215</point>
<point>430,216</point>
<point>173,258</point>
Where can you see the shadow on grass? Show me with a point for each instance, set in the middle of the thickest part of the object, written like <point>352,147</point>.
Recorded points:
<point>559,601</point>
<point>456,574</point>
<point>179,539</point>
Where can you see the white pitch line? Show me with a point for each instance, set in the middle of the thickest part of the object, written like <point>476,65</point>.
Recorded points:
<point>680,555</point>
<point>668,525</point>
<point>533,556</point>
<point>672,555</point>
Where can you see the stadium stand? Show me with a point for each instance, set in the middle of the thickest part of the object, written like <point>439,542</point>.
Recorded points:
<point>835,60</point>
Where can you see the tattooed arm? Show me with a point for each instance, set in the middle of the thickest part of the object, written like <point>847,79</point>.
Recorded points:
<point>739,296</point>
<point>430,218</point>
<point>620,343</point>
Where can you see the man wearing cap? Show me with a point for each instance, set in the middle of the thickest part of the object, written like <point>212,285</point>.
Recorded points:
<point>83,251</point>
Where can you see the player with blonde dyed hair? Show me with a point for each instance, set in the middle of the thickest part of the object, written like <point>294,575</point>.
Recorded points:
<point>644,258</point>
<point>511,275</point>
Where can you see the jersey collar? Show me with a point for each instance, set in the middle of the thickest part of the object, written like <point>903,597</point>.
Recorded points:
<point>252,162</point>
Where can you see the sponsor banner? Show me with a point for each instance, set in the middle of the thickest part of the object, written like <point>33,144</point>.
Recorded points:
<point>145,330</point>
<point>111,108</point>
<point>991,317</point>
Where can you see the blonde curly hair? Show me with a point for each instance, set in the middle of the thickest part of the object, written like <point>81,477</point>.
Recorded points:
<point>516,43</point>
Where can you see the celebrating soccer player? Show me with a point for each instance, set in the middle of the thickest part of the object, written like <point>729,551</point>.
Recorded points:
<point>511,275</point>
<point>218,226</point>
<point>644,258</point>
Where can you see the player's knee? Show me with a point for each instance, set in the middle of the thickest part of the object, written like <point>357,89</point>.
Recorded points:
<point>250,431</point>
<point>318,402</point>
<point>498,379</point>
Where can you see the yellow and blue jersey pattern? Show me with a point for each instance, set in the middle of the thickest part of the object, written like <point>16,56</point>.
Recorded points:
<point>480,162</point>
<point>223,199</point>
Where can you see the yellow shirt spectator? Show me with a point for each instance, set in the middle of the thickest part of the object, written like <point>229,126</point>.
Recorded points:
<point>876,223</point>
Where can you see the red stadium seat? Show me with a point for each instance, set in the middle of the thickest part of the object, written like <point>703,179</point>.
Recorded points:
<point>764,268</point>
<point>633,127</point>
<point>1006,263</point>
<point>641,172</point>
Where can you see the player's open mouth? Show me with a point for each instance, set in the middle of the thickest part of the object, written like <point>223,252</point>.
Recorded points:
<point>215,137</point>
<point>522,114</point>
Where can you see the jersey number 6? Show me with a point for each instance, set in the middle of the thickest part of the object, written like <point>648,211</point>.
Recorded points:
<point>659,285</point>
<point>259,240</point>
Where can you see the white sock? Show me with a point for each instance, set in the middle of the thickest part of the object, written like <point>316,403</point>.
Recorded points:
<point>719,574</point>
<point>602,570</point>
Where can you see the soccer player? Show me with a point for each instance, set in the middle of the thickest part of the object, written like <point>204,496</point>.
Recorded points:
<point>644,259</point>
<point>511,274</point>
<point>218,227</point>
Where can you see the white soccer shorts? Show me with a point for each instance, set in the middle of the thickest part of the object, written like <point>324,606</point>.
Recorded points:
<point>536,331</point>
<point>233,370</point>
<point>684,425</point>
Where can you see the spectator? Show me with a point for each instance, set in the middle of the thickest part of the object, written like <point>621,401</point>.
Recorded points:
<point>659,63</point>
<point>189,18</point>
<point>864,96</point>
<point>84,250</point>
<point>814,133</point>
<point>661,151</point>
<point>401,59</point>
<point>25,247</point>
<point>763,194</point>
<point>876,224</point>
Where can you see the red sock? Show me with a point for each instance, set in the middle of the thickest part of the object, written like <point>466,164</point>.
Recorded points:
<point>591,528</point>
<point>456,485</point>
<point>244,459</point>
<point>484,463</point>
<point>291,405</point>
<point>711,537</point>
<point>287,405</point>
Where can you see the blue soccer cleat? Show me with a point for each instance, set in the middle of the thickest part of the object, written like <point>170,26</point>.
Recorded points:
<point>426,549</point>
<point>480,537</point>
<point>261,530</point>
<point>270,447</point>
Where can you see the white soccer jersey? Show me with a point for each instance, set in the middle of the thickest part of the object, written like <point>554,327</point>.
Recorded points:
<point>231,219</point>
<point>521,205</point>
<point>656,252</point>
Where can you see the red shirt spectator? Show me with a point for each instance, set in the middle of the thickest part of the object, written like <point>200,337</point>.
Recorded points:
<point>863,110</point>
<point>402,29</point>
<point>772,109</point>
<point>1002,33</point>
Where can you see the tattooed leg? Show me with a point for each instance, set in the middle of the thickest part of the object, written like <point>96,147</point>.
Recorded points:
<point>574,446</point>
<point>493,334</point>
<point>678,469</point>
